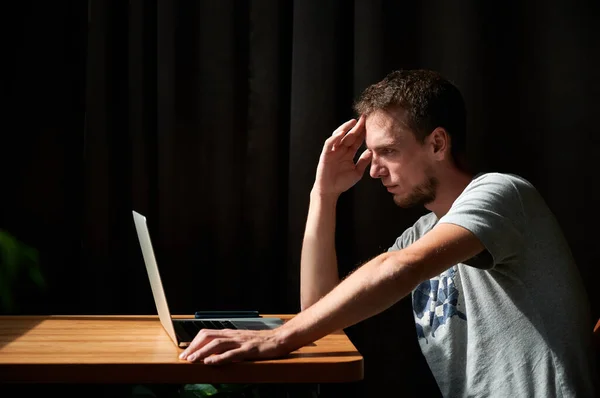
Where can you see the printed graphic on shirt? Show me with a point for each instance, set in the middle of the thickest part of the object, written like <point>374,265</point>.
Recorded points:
<point>434,302</point>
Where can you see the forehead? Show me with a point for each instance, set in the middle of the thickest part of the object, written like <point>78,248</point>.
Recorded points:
<point>386,128</point>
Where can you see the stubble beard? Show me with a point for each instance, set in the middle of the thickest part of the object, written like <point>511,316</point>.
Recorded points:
<point>421,195</point>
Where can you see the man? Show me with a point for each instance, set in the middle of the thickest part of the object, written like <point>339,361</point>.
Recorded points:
<point>499,306</point>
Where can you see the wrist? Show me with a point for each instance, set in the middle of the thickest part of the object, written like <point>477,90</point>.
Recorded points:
<point>287,338</point>
<point>319,194</point>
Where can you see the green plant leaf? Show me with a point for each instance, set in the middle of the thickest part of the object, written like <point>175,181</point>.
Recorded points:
<point>142,391</point>
<point>36,276</point>
<point>16,260</point>
<point>29,255</point>
<point>9,255</point>
<point>200,390</point>
<point>6,298</point>
<point>232,387</point>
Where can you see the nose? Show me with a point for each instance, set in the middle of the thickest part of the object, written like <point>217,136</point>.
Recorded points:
<point>377,170</point>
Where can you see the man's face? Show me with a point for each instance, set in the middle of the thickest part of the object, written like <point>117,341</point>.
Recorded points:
<point>399,160</point>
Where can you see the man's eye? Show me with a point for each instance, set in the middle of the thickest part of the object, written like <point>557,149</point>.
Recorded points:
<point>387,151</point>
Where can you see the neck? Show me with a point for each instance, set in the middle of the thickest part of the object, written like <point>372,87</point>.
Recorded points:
<point>451,183</point>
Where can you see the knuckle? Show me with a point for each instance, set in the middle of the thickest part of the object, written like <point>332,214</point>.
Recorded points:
<point>201,334</point>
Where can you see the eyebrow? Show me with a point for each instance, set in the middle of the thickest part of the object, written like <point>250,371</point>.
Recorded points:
<point>386,145</point>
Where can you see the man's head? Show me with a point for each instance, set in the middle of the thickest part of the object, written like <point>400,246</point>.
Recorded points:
<point>415,129</point>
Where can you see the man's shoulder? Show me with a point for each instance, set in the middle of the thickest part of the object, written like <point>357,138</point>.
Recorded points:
<point>423,225</point>
<point>425,222</point>
<point>499,178</point>
<point>503,185</point>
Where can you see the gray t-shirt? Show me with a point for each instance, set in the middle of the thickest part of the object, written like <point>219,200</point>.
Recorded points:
<point>514,320</point>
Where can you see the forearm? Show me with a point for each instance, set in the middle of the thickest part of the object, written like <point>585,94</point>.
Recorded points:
<point>371,289</point>
<point>318,264</point>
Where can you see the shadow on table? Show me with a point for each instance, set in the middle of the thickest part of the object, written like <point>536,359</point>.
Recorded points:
<point>9,332</point>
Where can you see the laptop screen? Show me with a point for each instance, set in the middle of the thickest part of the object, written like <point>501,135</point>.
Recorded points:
<point>155,282</point>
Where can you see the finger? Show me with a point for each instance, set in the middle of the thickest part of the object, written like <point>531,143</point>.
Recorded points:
<point>338,134</point>
<point>216,346</point>
<point>359,139</point>
<point>354,134</point>
<point>363,161</point>
<point>202,338</point>
<point>344,127</point>
<point>230,356</point>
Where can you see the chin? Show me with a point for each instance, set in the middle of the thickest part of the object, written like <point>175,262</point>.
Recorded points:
<point>404,202</point>
<point>409,202</point>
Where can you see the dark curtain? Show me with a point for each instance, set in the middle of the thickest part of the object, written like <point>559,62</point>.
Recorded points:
<point>209,117</point>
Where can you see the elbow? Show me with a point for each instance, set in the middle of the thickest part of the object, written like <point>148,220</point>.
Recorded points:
<point>306,300</point>
<point>310,293</point>
<point>304,304</point>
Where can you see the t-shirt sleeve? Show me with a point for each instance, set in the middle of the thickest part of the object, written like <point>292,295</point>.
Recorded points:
<point>412,234</point>
<point>492,209</point>
<point>403,240</point>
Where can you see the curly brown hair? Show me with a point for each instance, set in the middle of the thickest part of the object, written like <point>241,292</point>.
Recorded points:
<point>429,100</point>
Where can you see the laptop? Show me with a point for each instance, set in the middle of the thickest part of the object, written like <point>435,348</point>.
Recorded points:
<point>183,331</point>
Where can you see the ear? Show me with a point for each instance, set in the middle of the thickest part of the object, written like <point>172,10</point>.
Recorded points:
<point>439,142</point>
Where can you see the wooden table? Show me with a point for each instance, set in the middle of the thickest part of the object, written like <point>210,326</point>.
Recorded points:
<point>136,349</point>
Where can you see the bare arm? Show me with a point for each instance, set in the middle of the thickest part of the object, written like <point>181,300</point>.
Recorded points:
<point>336,173</point>
<point>371,289</point>
<point>380,283</point>
<point>318,269</point>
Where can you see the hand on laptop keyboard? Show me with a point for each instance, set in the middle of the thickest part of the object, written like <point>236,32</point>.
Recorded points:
<point>220,346</point>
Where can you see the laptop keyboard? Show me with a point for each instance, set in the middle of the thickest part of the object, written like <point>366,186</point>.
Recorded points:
<point>193,327</point>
